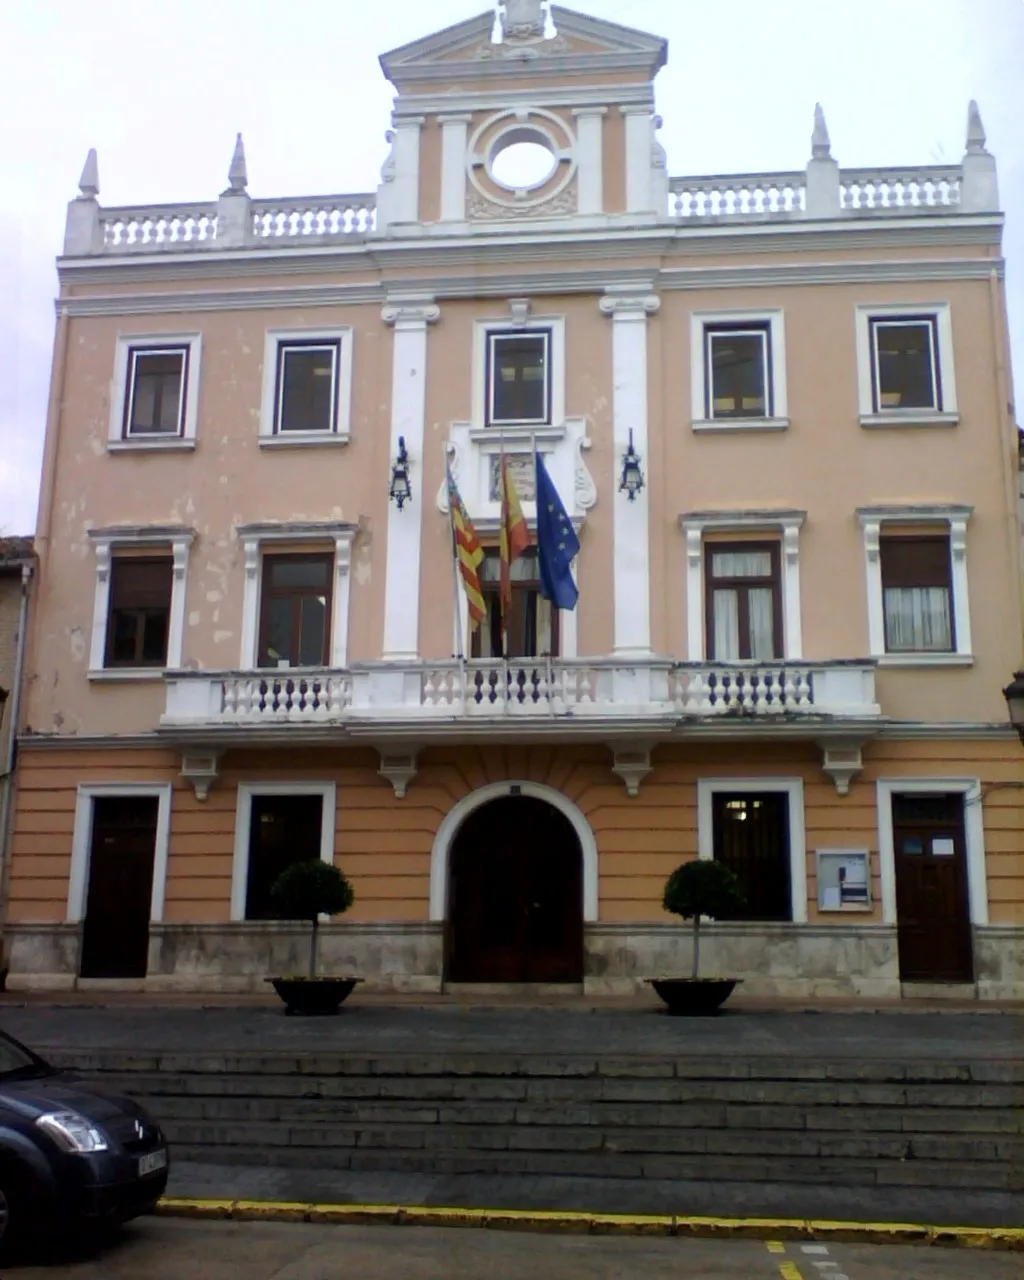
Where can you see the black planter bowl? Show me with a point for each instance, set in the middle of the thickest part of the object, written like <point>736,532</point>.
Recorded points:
<point>313,996</point>
<point>694,997</point>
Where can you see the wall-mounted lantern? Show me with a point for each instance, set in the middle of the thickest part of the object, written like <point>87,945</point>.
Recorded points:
<point>401,490</point>
<point>632,475</point>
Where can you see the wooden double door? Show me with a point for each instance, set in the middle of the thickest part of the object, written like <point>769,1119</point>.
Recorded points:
<point>515,901</point>
<point>932,904</point>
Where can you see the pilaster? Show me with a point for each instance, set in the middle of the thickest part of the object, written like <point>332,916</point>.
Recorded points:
<point>632,550</point>
<point>590,145</point>
<point>639,141</point>
<point>409,317</point>
<point>454,134</point>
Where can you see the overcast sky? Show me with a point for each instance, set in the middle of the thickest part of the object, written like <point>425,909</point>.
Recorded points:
<point>161,88</point>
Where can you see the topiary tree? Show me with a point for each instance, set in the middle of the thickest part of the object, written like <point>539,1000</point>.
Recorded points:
<point>701,888</point>
<point>308,890</point>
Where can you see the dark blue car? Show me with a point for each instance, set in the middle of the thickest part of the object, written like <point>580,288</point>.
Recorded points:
<point>70,1157</point>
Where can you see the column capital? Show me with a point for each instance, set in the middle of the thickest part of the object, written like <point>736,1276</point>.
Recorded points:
<point>636,109</point>
<point>636,305</point>
<point>589,112</point>
<point>411,312</point>
<point>455,117</point>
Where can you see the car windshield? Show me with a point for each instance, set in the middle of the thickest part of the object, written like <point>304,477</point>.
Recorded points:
<point>19,1063</point>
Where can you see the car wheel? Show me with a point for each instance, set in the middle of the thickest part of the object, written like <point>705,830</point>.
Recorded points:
<point>10,1217</point>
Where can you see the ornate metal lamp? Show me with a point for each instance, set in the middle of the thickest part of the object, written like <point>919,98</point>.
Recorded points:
<point>632,475</point>
<point>401,490</point>
<point>1014,695</point>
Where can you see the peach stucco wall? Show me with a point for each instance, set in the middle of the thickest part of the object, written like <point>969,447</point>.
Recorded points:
<point>383,844</point>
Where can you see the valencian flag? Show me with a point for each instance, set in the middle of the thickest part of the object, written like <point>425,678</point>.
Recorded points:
<point>513,538</point>
<point>557,543</point>
<point>469,554</point>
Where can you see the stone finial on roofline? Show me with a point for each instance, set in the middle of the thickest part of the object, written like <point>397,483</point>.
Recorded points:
<point>975,131</point>
<point>821,145</point>
<point>89,182</point>
<point>238,177</point>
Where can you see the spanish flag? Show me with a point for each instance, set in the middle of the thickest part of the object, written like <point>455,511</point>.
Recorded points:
<point>469,554</point>
<point>513,538</point>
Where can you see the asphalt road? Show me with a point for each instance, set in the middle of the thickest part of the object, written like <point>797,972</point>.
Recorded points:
<point>179,1249</point>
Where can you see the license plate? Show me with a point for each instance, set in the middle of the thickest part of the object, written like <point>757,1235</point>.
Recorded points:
<point>152,1162</point>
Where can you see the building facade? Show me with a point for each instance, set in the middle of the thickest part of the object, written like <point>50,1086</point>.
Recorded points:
<point>790,640</point>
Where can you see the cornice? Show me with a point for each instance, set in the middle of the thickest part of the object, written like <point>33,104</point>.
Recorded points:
<point>640,93</point>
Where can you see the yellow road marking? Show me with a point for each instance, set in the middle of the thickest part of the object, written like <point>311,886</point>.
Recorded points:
<point>775,1246</point>
<point>790,1271</point>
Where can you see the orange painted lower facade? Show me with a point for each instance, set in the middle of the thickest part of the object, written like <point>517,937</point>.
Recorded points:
<point>400,854</point>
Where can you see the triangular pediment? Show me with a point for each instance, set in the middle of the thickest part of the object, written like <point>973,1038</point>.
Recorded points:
<point>582,44</point>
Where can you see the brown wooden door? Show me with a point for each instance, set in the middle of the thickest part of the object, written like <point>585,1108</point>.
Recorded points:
<point>516,896</point>
<point>932,907</point>
<point>115,935</point>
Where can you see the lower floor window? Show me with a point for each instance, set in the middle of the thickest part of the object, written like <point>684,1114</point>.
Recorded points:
<point>751,837</point>
<point>285,829</point>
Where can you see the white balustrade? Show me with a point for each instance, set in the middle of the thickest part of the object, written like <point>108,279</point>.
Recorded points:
<point>144,226</point>
<point>296,218</point>
<point>493,690</point>
<point>921,188</point>
<point>741,196</point>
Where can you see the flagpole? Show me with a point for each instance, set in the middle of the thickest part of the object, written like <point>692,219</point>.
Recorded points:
<point>455,569</point>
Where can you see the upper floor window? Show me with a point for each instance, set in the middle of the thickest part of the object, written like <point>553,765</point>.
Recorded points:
<point>744,601</point>
<point>738,371</point>
<point>307,386</point>
<point>533,623</point>
<point>738,361</point>
<point>155,403</point>
<point>519,377</point>
<point>905,363</point>
<point>295,610</point>
<point>139,611</point>
<point>917,594</point>
<point>905,366</point>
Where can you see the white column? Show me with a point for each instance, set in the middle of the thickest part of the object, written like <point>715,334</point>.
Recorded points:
<point>590,147</point>
<point>250,602</point>
<point>406,154</point>
<point>961,600</point>
<point>410,318</point>
<point>454,131</point>
<point>694,593</point>
<point>794,635</point>
<point>176,623</point>
<point>639,142</point>
<point>101,606</point>
<point>342,588</point>
<point>873,567</point>
<point>632,555</point>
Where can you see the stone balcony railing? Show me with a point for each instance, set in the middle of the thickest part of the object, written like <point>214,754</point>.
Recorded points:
<point>586,691</point>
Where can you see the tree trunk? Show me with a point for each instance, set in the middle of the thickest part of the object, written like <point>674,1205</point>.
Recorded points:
<point>696,945</point>
<point>312,947</point>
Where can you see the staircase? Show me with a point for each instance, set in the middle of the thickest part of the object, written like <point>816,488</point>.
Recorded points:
<point>751,1119</point>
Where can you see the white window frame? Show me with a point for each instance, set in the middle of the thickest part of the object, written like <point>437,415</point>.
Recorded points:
<point>793,789</point>
<point>81,842</point>
<point>117,441</point>
<point>974,838</point>
<point>105,544</point>
<point>274,339</point>
<point>874,521</point>
<point>259,538</point>
<point>327,791</point>
<point>945,382</point>
<point>519,320</point>
<point>750,526</point>
<point>700,376</point>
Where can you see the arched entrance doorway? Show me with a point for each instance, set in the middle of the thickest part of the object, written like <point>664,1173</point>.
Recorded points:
<point>515,895</point>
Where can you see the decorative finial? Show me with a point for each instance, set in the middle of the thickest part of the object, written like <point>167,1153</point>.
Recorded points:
<point>975,131</point>
<point>238,178</point>
<point>522,19</point>
<point>89,182</point>
<point>821,145</point>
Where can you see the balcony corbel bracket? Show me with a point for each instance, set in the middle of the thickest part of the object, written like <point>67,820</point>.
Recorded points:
<point>632,764</point>
<point>399,768</point>
<point>201,769</point>
<point>842,761</point>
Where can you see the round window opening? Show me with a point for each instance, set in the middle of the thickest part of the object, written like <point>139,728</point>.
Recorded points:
<point>523,165</point>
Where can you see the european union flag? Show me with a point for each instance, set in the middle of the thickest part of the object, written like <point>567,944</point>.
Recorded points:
<point>557,544</point>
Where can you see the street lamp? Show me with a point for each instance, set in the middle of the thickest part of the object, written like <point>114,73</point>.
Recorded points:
<point>632,476</point>
<point>401,490</point>
<point>1014,695</point>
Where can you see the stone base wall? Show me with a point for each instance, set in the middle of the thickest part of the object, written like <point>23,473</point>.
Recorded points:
<point>803,961</point>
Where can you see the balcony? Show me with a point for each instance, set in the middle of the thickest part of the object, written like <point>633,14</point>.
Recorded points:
<point>439,699</point>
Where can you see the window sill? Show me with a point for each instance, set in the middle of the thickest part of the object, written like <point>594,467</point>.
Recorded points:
<point>926,660</point>
<point>740,424</point>
<point>526,435</point>
<point>304,440</point>
<point>118,675</point>
<point>150,446</point>
<point>910,418</point>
